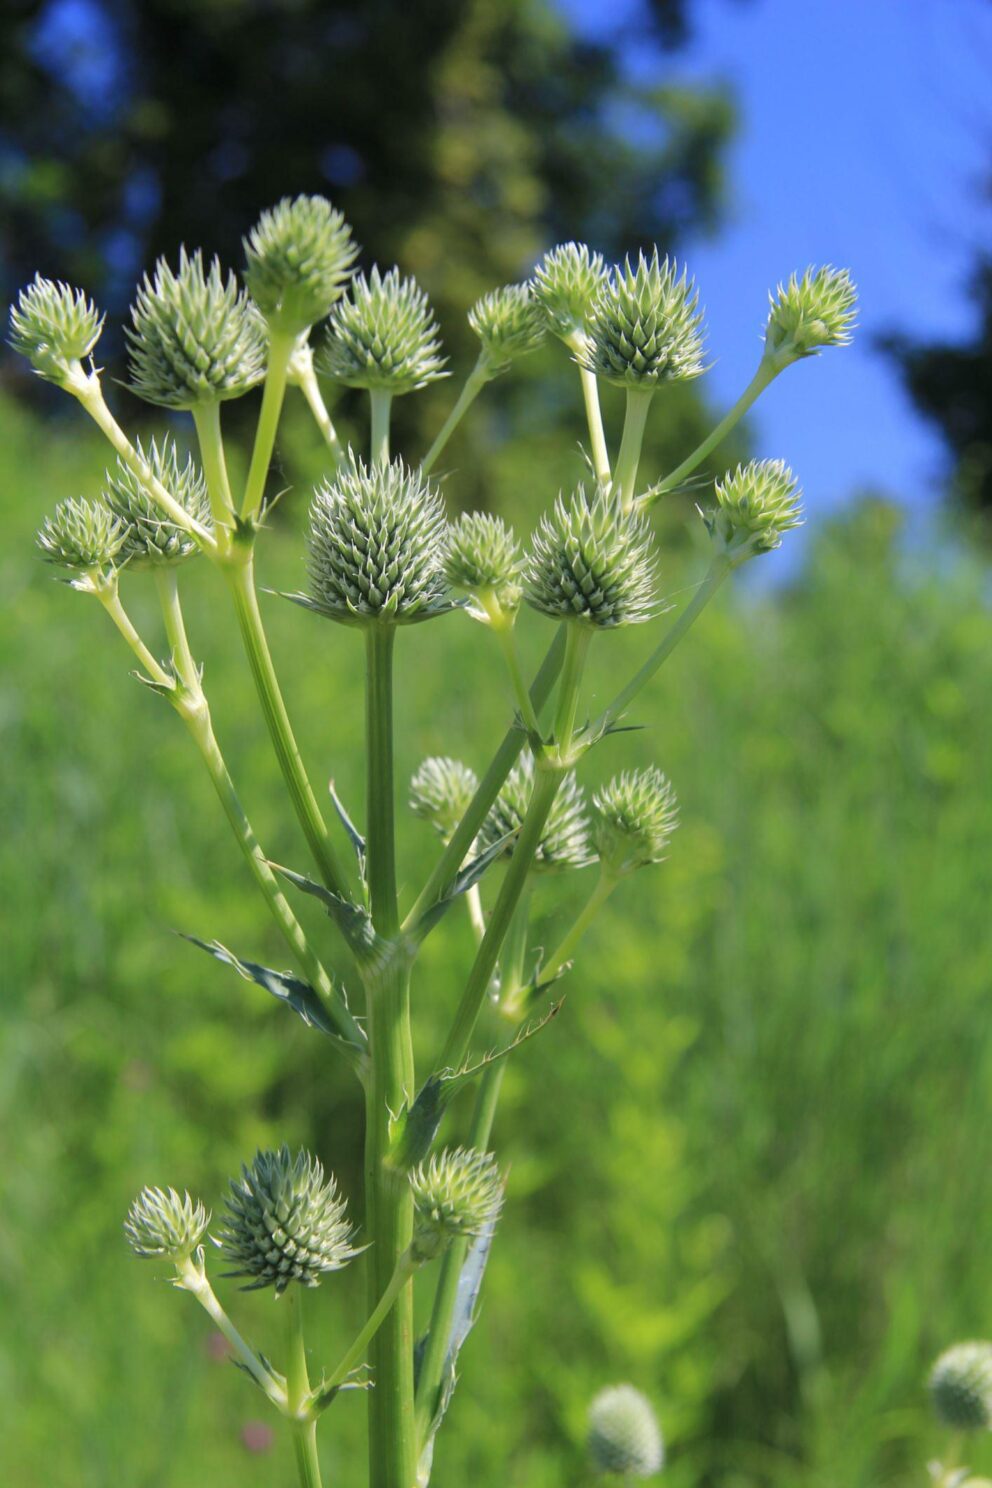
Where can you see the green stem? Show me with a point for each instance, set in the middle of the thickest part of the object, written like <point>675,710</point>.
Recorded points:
<point>297,1392</point>
<point>577,640</point>
<point>605,885</point>
<point>280,351</point>
<point>635,418</point>
<point>718,571</point>
<point>175,627</point>
<point>476,380</point>
<point>514,957</point>
<point>765,374</point>
<point>382,401</point>
<point>310,388</point>
<point>193,1280</point>
<point>508,642</point>
<point>110,599</point>
<point>206,417</point>
<point>594,418</point>
<point>405,1267</point>
<point>506,756</point>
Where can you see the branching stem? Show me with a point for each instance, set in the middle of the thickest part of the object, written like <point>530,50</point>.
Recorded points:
<point>280,351</point>
<point>476,380</point>
<point>765,374</point>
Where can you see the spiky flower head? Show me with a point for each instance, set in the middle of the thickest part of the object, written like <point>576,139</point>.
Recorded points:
<point>440,792</point>
<point>54,326</point>
<point>565,841</point>
<point>376,544</point>
<point>509,322</point>
<point>566,284</point>
<point>150,537</point>
<point>383,335</point>
<point>809,313</point>
<point>624,1436</point>
<point>646,326</point>
<point>961,1387</point>
<point>298,258</point>
<point>592,562</point>
<point>284,1223</point>
<point>457,1193</point>
<point>756,503</point>
<point>634,816</point>
<point>481,556</point>
<point>162,1225</point>
<point>195,336</point>
<point>82,536</point>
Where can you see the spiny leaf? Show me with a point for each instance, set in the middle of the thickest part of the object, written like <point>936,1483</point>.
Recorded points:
<point>466,879</point>
<point>297,994</point>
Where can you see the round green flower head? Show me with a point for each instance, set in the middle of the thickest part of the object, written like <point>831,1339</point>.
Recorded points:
<point>509,322</point>
<point>383,335</point>
<point>481,556</point>
<point>566,285</point>
<point>150,537</point>
<point>809,313</point>
<point>376,545</point>
<point>457,1194</point>
<point>440,793</point>
<point>82,536</point>
<point>961,1387</point>
<point>161,1225</point>
<point>646,327</point>
<point>756,503</point>
<point>298,258</point>
<point>54,326</point>
<point>633,819</point>
<point>624,1436</point>
<point>195,337</point>
<point>284,1223</point>
<point>592,562</point>
<point>565,843</point>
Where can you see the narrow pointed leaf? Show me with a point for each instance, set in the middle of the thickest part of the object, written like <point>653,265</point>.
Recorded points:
<point>296,994</point>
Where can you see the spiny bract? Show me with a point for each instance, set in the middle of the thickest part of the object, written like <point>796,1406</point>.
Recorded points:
<point>54,326</point>
<point>440,792</point>
<point>566,284</point>
<point>456,1194</point>
<point>481,556</point>
<point>624,1436</point>
<point>509,323</point>
<point>565,841</point>
<point>161,1225</point>
<point>298,258</point>
<point>961,1387</point>
<point>283,1223</point>
<point>195,336</point>
<point>383,336</point>
<point>376,544</point>
<point>646,327</point>
<point>590,561</point>
<point>634,816</point>
<point>81,535</point>
<point>809,313</point>
<point>149,535</point>
<point>756,504</point>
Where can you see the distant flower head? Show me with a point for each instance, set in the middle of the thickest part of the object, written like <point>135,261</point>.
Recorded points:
<point>481,556</point>
<point>646,327</point>
<point>81,536</point>
<point>457,1193</point>
<point>961,1387</point>
<point>634,817</point>
<point>299,258</point>
<point>509,322</point>
<point>161,1225</point>
<point>150,537</point>
<point>565,841</point>
<point>566,284</point>
<point>440,792</point>
<point>809,313</point>
<point>383,335</point>
<point>756,504</point>
<point>624,1437</point>
<point>54,326</point>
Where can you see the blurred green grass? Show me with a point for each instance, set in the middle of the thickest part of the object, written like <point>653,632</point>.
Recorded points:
<point>748,1161</point>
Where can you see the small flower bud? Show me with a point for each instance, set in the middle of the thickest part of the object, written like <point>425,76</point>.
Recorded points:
<point>376,544</point>
<point>565,842</point>
<point>82,536</point>
<point>440,792</point>
<point>566,284</point>
<point>284,1223</point>
<point>298,258</point>
<point>634,817</point>
<point>592,562</point>
<point>756,503</point>
<point>383,335</point>
<point>481,556</point>
<point>54,326</point>
<point>195,337</point>
<point>162,1226</point>
<point>809,313</point>
<point>646,327</point>
<point>624,1437</point>
<point>150,537</point>
<point>961,1387</point>
<point>509,322</point>
<point>456,1194</point>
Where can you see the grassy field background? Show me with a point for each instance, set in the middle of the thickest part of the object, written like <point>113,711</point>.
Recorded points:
<point>749,1162</point>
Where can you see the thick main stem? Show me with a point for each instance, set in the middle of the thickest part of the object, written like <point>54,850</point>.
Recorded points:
<point>297,1391</point>
<point>389,1204</point>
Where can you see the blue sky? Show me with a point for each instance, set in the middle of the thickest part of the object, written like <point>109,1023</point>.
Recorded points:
<point>865,128</point>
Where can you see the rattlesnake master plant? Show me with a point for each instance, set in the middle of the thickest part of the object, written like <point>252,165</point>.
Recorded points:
<point>385,548</point>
